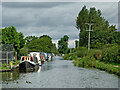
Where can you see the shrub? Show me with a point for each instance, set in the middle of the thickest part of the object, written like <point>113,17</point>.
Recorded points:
<point>111,53</point>
<point>23,52</point>
<point>81,51</point>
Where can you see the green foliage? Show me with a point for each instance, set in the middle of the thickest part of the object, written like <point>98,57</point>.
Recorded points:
<point>111,53</point>
<point>91,62</point>
<point>105,59</point>
<point>54,49</point>
<point>70,56</point>
<point>0,37</point>
<point>43,44</point>
<point>28,39</point>
<point>10,36</point>
<point>23,51</point>
<point>102,33</point>
<point>63,45</point>
<point>82,18</point>
<point>22,40</point>
<point>80,51</point>
<point>45,36</point>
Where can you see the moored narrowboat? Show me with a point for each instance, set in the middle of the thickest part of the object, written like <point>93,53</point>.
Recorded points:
<point>28,63</point>
<point>37,55</point>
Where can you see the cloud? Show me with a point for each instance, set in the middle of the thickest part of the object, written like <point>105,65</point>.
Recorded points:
<point>53,19</point>
<point>32,4</point>
<point>60,0</point>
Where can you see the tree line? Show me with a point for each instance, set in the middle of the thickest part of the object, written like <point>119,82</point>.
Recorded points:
<point>23,45</point>
<point>103,32</point>
<point>63,45</point>
<point>105,38</point>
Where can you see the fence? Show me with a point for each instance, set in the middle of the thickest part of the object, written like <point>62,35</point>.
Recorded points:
<point>8,56</point>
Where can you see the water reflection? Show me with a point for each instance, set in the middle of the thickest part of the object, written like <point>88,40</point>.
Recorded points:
<point>39,69</point>
<point>46,66</point>
<point>10,76</point>
<point>62,74</point>
<point>15,74</point>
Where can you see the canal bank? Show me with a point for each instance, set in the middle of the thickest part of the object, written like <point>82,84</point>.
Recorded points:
<point>91,62</point>
<point>61,73</point>
<point>13,67</point>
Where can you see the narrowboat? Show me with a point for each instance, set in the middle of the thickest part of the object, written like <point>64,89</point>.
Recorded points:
<point>28,63</point>
<point>36,54</point>
<point>42,57</point>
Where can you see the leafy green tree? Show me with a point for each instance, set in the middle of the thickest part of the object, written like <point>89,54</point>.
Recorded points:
<point>82,19</point>
<point>102,33</point>
<point>42,44</point>
<point>23,51</point>
<point>45,36</point>
<point>28,39</point>
<point>63,45</point>
<point>22,40</point>
<point>54,49</point>
<point>11,36</point>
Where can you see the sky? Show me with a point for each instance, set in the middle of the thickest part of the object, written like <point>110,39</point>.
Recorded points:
<point>55,19</point>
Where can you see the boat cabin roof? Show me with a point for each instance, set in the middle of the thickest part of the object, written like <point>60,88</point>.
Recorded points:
<point>30,58</point>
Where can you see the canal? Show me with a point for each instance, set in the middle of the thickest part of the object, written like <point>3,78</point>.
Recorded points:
<point>59,73</point>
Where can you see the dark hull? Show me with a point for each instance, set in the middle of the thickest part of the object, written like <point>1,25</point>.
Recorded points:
<point>27,66</point>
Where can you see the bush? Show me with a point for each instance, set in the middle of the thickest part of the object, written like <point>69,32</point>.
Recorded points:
<point>111,53</point>
<point>23,52</point>
<point>81,51</point>
<point>97,54</point>
<point>97,58</point>
<point>70,56</point>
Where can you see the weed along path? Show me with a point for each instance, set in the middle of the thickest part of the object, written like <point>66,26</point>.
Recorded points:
<point>60,73</point>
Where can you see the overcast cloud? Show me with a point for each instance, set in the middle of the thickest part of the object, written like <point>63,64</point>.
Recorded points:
<point>55,19</point>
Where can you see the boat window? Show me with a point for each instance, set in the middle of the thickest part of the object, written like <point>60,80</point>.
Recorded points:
<point>32,59</point>
<point>22,59</point>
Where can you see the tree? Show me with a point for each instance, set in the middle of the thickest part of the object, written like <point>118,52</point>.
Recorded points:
<point>82,19</point>
<point>22,40</point>
<point>28,39</point>
<point>102,33</point>
<point>54,49</point>
<point>12,40</point>
<point>63,45</point>
<point>42,44</point>
<point>45,36</point>
<point>11,36</point>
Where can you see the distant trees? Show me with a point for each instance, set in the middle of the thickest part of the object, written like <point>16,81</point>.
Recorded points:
<point>103,33</point>
<point>28,39</point>
<point>42,44</point>
<point>10,37</point>
<point>63,45</point>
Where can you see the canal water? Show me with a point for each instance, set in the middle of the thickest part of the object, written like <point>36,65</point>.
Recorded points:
<point>59,73</point>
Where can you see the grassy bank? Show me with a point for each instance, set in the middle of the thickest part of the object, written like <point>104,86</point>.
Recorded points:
<point>83,62</point>
<point>96,59</point>
<point>7,67</point>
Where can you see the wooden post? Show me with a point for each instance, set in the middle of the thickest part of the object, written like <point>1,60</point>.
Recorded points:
<point>16,57</point>
<point>89,34</point>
